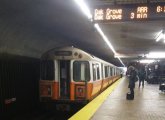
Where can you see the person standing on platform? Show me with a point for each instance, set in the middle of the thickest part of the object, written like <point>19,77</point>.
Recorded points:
<point>141,74</point>
<point>132,78</point>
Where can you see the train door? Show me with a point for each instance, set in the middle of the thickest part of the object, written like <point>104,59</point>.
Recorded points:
<point>64,79</point>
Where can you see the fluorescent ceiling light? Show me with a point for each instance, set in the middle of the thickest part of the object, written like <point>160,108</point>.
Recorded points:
<point>84,8</point>
<point>131,55</point>
<point>107,41</point>
<point>104,37</point>
<point>87,12</point>
<point>160,36</point>
<point>121,61</point>
<point>156,55</point>
<point>146,61</point>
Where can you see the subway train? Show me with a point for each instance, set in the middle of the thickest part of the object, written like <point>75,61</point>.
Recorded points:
<point>70,75</point>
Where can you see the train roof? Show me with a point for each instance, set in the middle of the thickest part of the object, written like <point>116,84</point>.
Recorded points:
<point>71,53</point>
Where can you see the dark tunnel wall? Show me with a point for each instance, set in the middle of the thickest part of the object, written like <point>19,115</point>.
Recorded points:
<point>19,81</point>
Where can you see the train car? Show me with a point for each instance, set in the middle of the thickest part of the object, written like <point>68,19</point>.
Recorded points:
<point>70,75</point>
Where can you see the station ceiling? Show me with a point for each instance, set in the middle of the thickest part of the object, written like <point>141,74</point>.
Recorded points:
<point>32,27</point>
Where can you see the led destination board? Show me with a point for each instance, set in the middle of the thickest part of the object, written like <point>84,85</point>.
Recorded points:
<point>131,12</point>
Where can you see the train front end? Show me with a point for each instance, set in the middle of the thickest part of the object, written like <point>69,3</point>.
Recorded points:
<point>64,79</point>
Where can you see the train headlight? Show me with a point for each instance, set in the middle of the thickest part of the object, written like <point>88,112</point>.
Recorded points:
<point>45,90</point>
<point>80,92</point>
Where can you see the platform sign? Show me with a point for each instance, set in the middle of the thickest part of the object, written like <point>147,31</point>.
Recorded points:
<point>129,12</point>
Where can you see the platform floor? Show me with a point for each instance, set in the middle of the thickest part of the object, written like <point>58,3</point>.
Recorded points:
<point>148,104</point>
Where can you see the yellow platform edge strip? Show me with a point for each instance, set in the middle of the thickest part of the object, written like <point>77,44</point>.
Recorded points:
<point>88,111</point>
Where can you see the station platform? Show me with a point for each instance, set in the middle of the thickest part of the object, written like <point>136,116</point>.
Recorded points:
<point>148,104</point>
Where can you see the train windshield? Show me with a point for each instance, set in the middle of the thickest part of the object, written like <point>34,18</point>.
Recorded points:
<point>81,71</point>
<point>47,70</point>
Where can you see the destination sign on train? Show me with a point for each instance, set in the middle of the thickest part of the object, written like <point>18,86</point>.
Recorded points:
<point>129,12</point>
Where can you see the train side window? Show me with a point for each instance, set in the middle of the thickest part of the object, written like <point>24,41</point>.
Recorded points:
<point>102,71</point>
<point>111,71</point>
<point>98,71</point>
<point>106,71</point>
<point>47,70</point>
<point>81,71</point>
<point>114,71</point>
<point>94,72</point>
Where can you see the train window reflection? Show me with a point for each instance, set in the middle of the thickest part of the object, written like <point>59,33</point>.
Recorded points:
<point>81,71</point>
<point>96,72</point>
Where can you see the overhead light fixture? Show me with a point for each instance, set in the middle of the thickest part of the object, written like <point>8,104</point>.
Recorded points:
<point>104,37</point>
<point>107,41</point>
<point>87,12</point>
<point>121,61</point>
<point>126,55</point>
<point>147,61</point>
<point>84,8</point>
<point>160,36</point>
<point>156,55</point>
